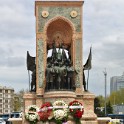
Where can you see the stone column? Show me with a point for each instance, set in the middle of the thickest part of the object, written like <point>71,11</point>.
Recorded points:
<point>29,99</point>
<point>88,102</point>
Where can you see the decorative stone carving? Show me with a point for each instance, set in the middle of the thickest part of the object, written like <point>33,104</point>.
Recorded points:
<point>59,11</point>
<point>73,14</point>
<point>45,14</point>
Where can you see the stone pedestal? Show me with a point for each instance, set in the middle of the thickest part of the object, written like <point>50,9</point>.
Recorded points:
<point>52,96</point>
<point>29,99</point>
<point>87,99</point>
<point>89,117</point>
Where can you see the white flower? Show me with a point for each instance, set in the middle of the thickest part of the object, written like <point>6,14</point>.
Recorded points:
<point>26,115</point>
<point>33,117</point>
<point>31,114</point>
<point>60,112</point>
<point>33,106</point>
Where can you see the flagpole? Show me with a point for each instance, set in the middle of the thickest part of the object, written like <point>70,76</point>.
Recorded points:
<point>29,79</point>
<point>87,79</point>
<point>88,65</point>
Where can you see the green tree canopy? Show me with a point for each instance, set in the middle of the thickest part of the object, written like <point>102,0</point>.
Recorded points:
<point>18,100</point>
<point>117,97</point>
<point>98,106</point>
<point>109,108</point>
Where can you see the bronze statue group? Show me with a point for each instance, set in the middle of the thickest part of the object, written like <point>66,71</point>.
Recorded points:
<point>59,71</point>
<point>60,74</point>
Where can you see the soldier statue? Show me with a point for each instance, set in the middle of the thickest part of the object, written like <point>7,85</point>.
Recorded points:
<point>59,70</point>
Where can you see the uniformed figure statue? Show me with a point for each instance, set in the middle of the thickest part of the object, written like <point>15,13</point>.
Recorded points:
<point>59,70</point>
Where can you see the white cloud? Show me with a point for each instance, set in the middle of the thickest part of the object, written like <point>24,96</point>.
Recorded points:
<point>103,28</point>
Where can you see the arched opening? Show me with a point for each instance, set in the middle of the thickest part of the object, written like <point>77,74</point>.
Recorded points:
<point>59,31</point>
<point>59,70</point>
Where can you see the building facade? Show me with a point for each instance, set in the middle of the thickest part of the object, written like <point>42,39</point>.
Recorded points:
<point>116,83</point>
<point>118,109</point>
<point>6,99</point>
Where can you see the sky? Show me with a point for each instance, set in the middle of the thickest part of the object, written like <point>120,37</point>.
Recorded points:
<point>103,29</point>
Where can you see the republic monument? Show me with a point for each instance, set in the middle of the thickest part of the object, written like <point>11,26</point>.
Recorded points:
<point>59,54</point>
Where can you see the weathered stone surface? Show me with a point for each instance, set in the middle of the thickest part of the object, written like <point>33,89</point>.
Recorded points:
<point>41,69</point>
<point>58,11</point>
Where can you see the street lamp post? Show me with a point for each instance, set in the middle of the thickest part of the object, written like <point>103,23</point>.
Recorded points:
<point>105,74</point>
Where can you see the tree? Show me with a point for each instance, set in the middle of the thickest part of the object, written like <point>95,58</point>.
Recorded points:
<point>98,106</point>
<point>102,100</point>
<point>16,103</point>
<point>117,97</point>
<point>18,100</point>
<point>109,108</point>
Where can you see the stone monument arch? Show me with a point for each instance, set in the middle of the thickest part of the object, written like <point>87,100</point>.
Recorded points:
<point>59,28</point>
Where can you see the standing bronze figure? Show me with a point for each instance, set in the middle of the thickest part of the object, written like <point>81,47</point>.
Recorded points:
<point>59,70</point>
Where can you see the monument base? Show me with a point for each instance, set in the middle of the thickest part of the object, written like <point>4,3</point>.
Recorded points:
<point>87,99</point>
<point>53,96</point>
<point>29,99</point>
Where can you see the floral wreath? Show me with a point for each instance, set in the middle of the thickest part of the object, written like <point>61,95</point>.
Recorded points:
<point>32,115</point>
<point>45,112</point>
<point>60,111</point>
<point>76,110</point>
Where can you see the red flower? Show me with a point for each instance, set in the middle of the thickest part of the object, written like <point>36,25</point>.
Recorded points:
<point>45,111</point>
<point>78,114</point>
